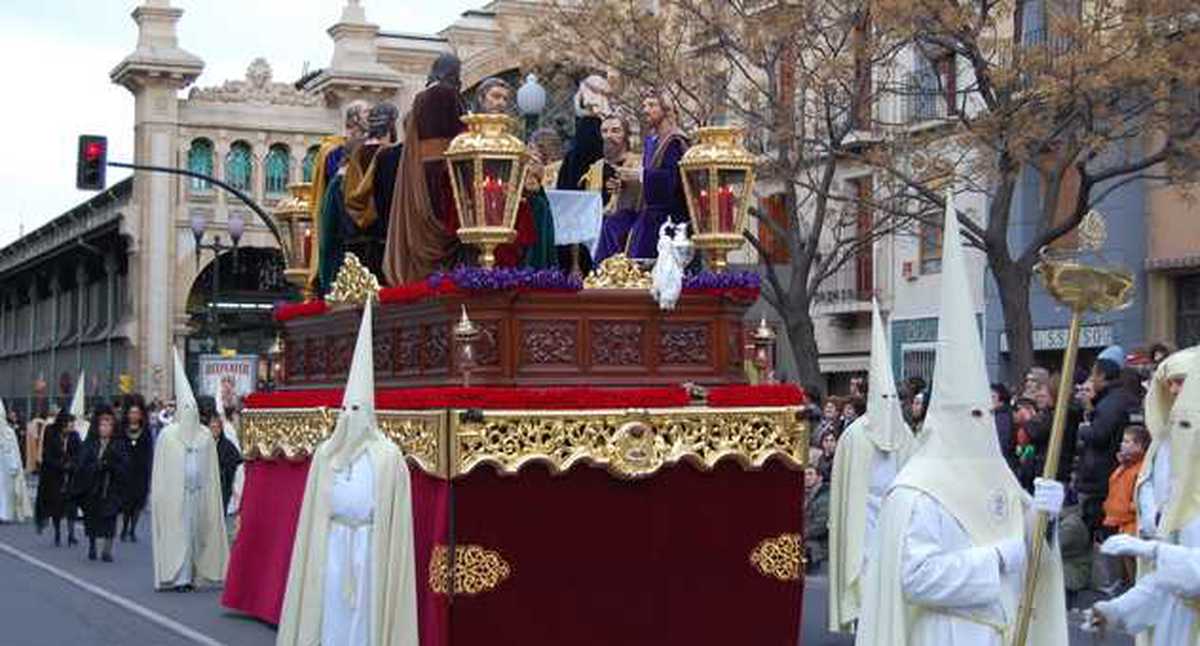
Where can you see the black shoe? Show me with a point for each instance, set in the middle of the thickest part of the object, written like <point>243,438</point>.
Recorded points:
<point>58,541</point>
<point>71,541</point>
<point>91,553</point>
<point>132,537</point>
<point>106,557</point>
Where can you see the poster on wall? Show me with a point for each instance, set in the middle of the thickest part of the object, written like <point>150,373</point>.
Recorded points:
<point>225,377</point>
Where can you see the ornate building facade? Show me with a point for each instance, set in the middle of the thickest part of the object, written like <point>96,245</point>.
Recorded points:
<point>113,284</point>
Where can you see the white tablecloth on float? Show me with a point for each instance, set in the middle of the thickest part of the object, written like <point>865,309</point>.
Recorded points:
<point>577,217</point>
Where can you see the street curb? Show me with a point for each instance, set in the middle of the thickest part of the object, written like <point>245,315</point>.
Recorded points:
<point>132,606</point>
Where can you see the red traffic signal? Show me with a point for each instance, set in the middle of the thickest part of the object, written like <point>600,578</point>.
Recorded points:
<point>91,163</point>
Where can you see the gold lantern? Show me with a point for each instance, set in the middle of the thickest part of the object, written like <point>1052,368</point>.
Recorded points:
<point>718,180</point>
<point>487,172</point>
<point>295,221</point>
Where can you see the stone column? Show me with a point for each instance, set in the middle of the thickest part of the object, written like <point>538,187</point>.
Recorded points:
<point>55,294</point>
<point>81,299</point>
<point>32,335</point>
<point>154,73</point>
<point>110,275</point>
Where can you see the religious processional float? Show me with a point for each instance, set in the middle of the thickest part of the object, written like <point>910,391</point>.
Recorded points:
<point>587,468</point>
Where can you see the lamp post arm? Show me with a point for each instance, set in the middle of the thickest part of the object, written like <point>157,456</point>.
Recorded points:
<point>258,210</point>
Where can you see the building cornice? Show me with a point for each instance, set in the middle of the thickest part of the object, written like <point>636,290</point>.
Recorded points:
<point>77,223</point>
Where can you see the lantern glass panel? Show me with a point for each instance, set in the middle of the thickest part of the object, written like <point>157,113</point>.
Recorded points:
<point>464,177</point>
<point>497,180</point>
<point>731,193</point>
<point>698,186</point>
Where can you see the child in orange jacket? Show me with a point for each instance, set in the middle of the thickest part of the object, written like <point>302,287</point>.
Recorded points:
<point>1120,508</point>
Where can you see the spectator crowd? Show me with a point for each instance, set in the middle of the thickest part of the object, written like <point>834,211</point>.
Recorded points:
<point>1104,444</point>
<point>94,469</point>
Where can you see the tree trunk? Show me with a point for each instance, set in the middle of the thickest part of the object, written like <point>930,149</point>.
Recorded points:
<point>803,340</point>
<point>1013,282</point>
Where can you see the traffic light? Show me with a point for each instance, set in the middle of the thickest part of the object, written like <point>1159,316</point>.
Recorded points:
<point>91,163</point>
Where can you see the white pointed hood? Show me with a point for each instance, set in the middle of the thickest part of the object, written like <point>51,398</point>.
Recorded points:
<point>1158,398</point>
<point>356,424</point>
<point>959,462</point>
<point>78,402</point>
<point>187,413</point>
<point>886,427</point>
<point>1183,507</point>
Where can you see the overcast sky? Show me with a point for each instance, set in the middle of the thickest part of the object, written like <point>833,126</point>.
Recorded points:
<point>57,55</point>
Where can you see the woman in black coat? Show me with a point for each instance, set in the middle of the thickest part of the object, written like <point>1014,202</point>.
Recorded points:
<point>60,457</point>
<point>139,444</point>
<point>100,481</point>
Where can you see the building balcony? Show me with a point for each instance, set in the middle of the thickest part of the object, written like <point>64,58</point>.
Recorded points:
<point>848,291</point>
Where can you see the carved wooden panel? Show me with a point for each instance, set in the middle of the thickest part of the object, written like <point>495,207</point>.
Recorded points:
<point>548,342</point>
<point>683,343</point>
<point>436,347</point>
<point>736,339</point>
<point>383,354</point>
<point>617,343</point>
<point>339,350</point>
<point>293,359</point>
<point>408,349</point>
<point>314,357</point>
<point>487,349</point>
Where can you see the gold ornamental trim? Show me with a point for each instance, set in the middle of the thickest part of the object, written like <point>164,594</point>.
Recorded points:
<point>618,272</point>
<point>295,433</point>
<point>780,558</point>
<point>354,284</point>
<point>631,443</point>
<point>476,570</point>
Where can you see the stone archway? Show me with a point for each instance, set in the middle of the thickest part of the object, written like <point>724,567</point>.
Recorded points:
<point>236,314</point>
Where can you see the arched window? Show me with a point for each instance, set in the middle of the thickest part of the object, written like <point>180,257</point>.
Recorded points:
<point>239,165</point>
<point>310,160</point>
<point>275,175</point>
<point>200,160</point>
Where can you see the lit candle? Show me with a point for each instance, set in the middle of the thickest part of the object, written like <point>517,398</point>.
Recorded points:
<point>702,206</point>
<point>493,201</point>
<point>307,246</point>
<point>725,209</point>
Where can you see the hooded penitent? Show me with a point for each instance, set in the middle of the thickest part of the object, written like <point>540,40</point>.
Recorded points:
<point>959,465</point>
<point>77,407</point>
<point>1183,507</point>
<point>881,430</point>
<point>15,505</point>
<point>188,525</point>
<point>390,603</point>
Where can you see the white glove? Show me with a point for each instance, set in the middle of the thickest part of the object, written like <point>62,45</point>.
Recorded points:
<point>1048,496</point>
<point>1126,545</point>
<point>1012,555</point>
<point>1101,617</point>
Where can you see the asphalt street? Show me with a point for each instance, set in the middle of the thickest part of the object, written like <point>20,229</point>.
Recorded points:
<point>54,596</point>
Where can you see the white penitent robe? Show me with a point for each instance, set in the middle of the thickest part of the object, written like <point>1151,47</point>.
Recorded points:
<point>386,595</point>
<point>14,499</point>
<point>347,600</point>
<point>1163,604</point>
<point>854,519</point>
<point>193,486</point>
<point>190,545</point>
<point>950,590</point>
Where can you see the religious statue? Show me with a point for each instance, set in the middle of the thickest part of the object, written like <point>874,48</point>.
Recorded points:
<point>423,218</point>
<point>534,246</point>
<point>328,203</point>
<point>369,185</point>
<point>633,232</point>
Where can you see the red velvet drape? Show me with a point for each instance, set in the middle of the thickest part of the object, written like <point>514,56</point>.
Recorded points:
<point>258,567</point>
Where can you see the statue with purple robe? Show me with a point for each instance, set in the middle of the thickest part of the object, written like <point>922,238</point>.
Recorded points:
<point>634,231</point>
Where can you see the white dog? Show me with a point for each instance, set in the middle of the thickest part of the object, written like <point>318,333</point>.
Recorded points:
<point>674,254</point>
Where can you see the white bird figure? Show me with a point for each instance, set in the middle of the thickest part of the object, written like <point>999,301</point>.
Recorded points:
<point>674,253</point>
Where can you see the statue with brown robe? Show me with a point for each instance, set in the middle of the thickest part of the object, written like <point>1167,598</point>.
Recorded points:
<point>424,219</point>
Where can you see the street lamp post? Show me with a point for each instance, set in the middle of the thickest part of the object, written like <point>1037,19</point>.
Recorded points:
<point>531,101</point>
<point>237,226</point>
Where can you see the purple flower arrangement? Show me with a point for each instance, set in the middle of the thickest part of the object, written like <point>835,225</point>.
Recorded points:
<point>724,280</point>
<point>503,279</point>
